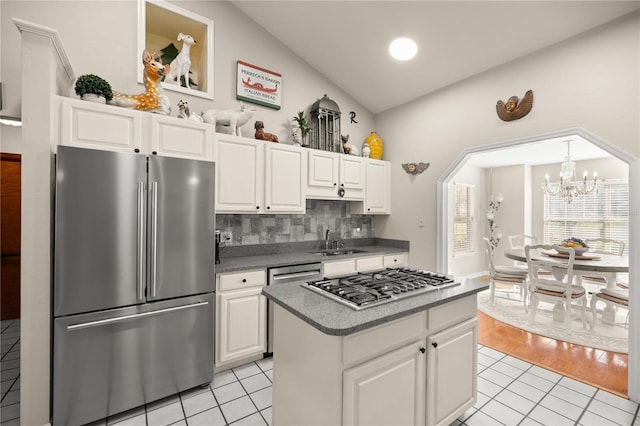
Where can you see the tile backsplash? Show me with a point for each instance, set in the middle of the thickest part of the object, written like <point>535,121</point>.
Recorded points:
<point>321,215</point>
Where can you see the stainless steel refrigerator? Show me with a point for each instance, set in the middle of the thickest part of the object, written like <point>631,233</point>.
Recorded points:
<point>133,286</point>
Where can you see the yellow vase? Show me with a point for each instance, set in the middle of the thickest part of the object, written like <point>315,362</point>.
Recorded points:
<point>376,145</point>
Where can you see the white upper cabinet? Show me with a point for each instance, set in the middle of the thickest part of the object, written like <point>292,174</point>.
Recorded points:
<point>106,127</point>
<point>239,171</point>
<point>254,176</point>
<point>91,125</point>
<point>285,167</point>
<point>377,198</point>
<point>174,137</point>
<point>335,176</point>
<point>323,174</point>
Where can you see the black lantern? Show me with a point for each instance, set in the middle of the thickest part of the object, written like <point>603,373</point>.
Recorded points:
<point>325,125</point>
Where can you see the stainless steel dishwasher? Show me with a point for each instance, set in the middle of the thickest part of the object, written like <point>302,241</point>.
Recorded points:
<point>284,274</point>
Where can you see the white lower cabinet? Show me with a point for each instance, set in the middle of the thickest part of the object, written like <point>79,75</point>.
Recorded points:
<point>416,370</point>
<point>452,369</point>
<point>241,316</point>
<point>388,390</point>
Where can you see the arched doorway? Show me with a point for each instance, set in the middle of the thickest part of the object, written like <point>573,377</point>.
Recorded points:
<point>443,215</point>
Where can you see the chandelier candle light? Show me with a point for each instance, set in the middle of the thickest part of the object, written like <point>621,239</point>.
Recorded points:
<point>569,188</point>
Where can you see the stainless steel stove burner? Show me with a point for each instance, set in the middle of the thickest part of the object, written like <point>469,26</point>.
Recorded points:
<point>365,290</point>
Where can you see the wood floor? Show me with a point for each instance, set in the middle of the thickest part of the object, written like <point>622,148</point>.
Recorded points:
<point>602,369</point>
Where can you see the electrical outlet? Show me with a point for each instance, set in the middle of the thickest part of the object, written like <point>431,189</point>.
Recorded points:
<point>421,221</point>
<point>226,238</point>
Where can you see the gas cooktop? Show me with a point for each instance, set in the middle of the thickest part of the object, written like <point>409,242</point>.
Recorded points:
<point>365,290</point>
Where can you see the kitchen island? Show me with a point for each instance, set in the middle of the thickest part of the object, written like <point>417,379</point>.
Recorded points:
<point>412,361</point>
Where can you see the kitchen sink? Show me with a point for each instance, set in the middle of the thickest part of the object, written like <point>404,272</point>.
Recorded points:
<point>337,252</point>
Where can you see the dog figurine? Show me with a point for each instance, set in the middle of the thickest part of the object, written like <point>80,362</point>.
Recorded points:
<point>234,119</point>
<point>261,134</point>
<point>153,99</point>
<point>181,64</point>
<point>184,112</point>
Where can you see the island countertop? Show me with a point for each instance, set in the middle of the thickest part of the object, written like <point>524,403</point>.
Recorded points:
<point>336,319</point>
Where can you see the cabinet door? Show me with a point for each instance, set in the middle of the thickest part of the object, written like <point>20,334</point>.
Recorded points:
<point>174,137</point>
<point>366,396</point>
<point>377,197</point>
<point>322,180</point>
<point>241,324</point>
<point>452,369</point>
<point>90,125</point>
<point>239,172</point>
<point>284,171</point>
<point>352,177</point>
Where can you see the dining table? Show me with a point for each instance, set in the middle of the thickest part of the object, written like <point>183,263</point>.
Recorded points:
<point>604,265</point>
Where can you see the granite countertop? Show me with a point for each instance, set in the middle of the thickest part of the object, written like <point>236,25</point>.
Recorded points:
<point>257,260</point>
<point>336,319</point>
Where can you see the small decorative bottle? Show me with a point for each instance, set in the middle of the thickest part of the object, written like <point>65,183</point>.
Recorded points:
<point>366,151</point>
<point>376,145</point>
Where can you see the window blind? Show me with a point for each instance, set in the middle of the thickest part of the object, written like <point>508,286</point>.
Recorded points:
<point>463,220</point>
<point>602,214</point>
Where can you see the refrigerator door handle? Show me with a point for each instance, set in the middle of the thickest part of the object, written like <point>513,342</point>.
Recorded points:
<point>154,236</point>
<point>141,237</point>
<point>133,316</point>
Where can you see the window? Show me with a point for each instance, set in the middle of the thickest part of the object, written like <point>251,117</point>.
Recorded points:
<point>463,220</point>
<point>601,214</point>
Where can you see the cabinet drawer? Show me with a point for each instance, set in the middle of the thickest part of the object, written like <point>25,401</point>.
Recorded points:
<point>245,279</point>
<point>377,340</point>
<point>451,313</point>
<point>395,260</point>
<point>364,264</point>
<point>339,267</point>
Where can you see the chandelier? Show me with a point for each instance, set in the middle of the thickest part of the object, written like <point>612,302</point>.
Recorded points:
<point>568,187</point>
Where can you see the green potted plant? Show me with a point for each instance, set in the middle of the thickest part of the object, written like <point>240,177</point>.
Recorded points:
<point>90,84</point>
<point>304,127</point>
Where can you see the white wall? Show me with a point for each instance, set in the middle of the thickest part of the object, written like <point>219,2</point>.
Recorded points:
<point>100,38</point>
<point>590,81</point>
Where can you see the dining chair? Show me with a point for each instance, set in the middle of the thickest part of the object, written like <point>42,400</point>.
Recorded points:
<point>556,287</point>
<point>512,275</point>
<point>605,245</point>
<point>518,241</point>
<point>602,246</point>
<point>610,296</point>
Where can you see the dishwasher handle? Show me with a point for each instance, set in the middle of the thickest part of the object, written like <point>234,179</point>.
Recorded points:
<point>294,276</point>
<point>283,274</point>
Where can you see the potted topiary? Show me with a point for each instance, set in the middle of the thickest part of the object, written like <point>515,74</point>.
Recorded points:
<point>304,127</point>
<point>90,87</point>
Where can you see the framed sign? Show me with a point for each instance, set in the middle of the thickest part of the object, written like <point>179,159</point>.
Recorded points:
<point>160,27</point>
<point>258,85</point>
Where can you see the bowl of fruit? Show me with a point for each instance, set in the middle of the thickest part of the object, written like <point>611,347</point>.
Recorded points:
<point>578,245</point>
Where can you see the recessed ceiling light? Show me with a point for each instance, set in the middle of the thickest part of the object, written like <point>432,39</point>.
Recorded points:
<point>403,49</point>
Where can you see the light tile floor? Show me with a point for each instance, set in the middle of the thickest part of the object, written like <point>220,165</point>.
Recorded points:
<point>510,392</point>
